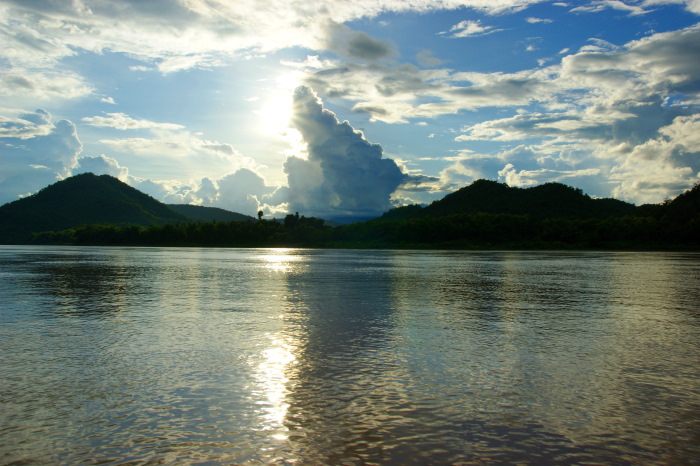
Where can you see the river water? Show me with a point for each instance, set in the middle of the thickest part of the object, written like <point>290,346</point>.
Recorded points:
<point>208,356</point>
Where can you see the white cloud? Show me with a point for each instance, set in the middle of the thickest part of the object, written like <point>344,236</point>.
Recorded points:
<point>162,190</point>
<point>178,155</point>
<point>616,116</point>
<point>124,122</point>
<point>42,84</point>
<point>468,28</point>
<point>654,66</point>
<point>168,150</point>
<point>603,97</point>
<point>343,174</point>
<point>601,5</point>
<point>661,167</point>
<point>533,20</point>
<point>599,97</point>
<point>101,165</point>
<point>243,191</point>
<point>177,144</point>
<point>522,178</point>
<point>140,68</point>
<point>22,125</point>
<point>642,179</point>
<point>35,152</point>
<point>207,192</point>
<point>460,174</point>
<point>591,125</point>
<point>393,94</point>
<point>636,169</point>
<point>684,132</point>
<point>642,71</point>
<point>197,33</point>
<point>690,5</point>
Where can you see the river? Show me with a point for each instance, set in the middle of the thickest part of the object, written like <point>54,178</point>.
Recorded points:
<point>208,356</point>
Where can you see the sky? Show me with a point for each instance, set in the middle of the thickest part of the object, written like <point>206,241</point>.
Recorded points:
<point>348,108</point>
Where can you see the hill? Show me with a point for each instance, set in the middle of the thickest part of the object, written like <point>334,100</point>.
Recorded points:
<point>485,214</point>
<point>681,216</point>
<point>209,214</point>
<point>80,200</point>
<point>550,200</point>
<point>491,214</point>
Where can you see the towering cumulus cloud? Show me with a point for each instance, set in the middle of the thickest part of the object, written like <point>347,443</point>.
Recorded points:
<point>344,174</point>
<point>35,152</point>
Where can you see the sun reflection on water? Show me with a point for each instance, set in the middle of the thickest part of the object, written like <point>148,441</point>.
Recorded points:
<point>272,377</point>
<point>277,359</point>
<point>281,260</point>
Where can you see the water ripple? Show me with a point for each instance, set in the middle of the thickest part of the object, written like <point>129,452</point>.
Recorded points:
<point>197,356</point>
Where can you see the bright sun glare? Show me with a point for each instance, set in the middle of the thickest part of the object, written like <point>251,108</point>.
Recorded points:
<point>275,113</point>
<point>276,107</point>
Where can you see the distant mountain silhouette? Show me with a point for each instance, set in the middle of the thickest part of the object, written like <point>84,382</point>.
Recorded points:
<point>684,207</point>
<point>550,200</point>
<point>90,209</point>
<point>80,200</point>
<point>209,214</point>
<point>681,216</point>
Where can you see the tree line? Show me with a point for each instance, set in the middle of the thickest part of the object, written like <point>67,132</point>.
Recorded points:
<point>458,231</point>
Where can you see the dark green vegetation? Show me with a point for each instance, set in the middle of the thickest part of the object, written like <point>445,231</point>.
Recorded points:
<point>487,214</point>
<point>79,200</point>
<point>551,200</point>
<point>208,214</point>
<point>100,210</point>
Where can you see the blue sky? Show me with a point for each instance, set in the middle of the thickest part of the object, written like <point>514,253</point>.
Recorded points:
<point>349,108</point>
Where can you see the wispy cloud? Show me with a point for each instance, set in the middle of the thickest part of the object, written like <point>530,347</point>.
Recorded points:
<point>21,83</point>
<point>181,35</point>
<point>468,28</point>
<point>601,5</point>
<point>533,20</point>
<point>125,122</point>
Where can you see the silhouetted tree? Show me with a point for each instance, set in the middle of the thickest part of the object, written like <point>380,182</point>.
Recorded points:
<point>290,221</point>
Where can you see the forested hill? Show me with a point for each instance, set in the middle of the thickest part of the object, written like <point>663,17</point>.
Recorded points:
<point>550,200</point>
<point>490,214</point>
<point>209,214</point>
<point>89,209</point>
<point>80,200</point>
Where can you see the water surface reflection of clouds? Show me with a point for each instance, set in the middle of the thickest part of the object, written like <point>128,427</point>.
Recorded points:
<point>343,392</point>
<point>325,357</point>
<point>380,357</point>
